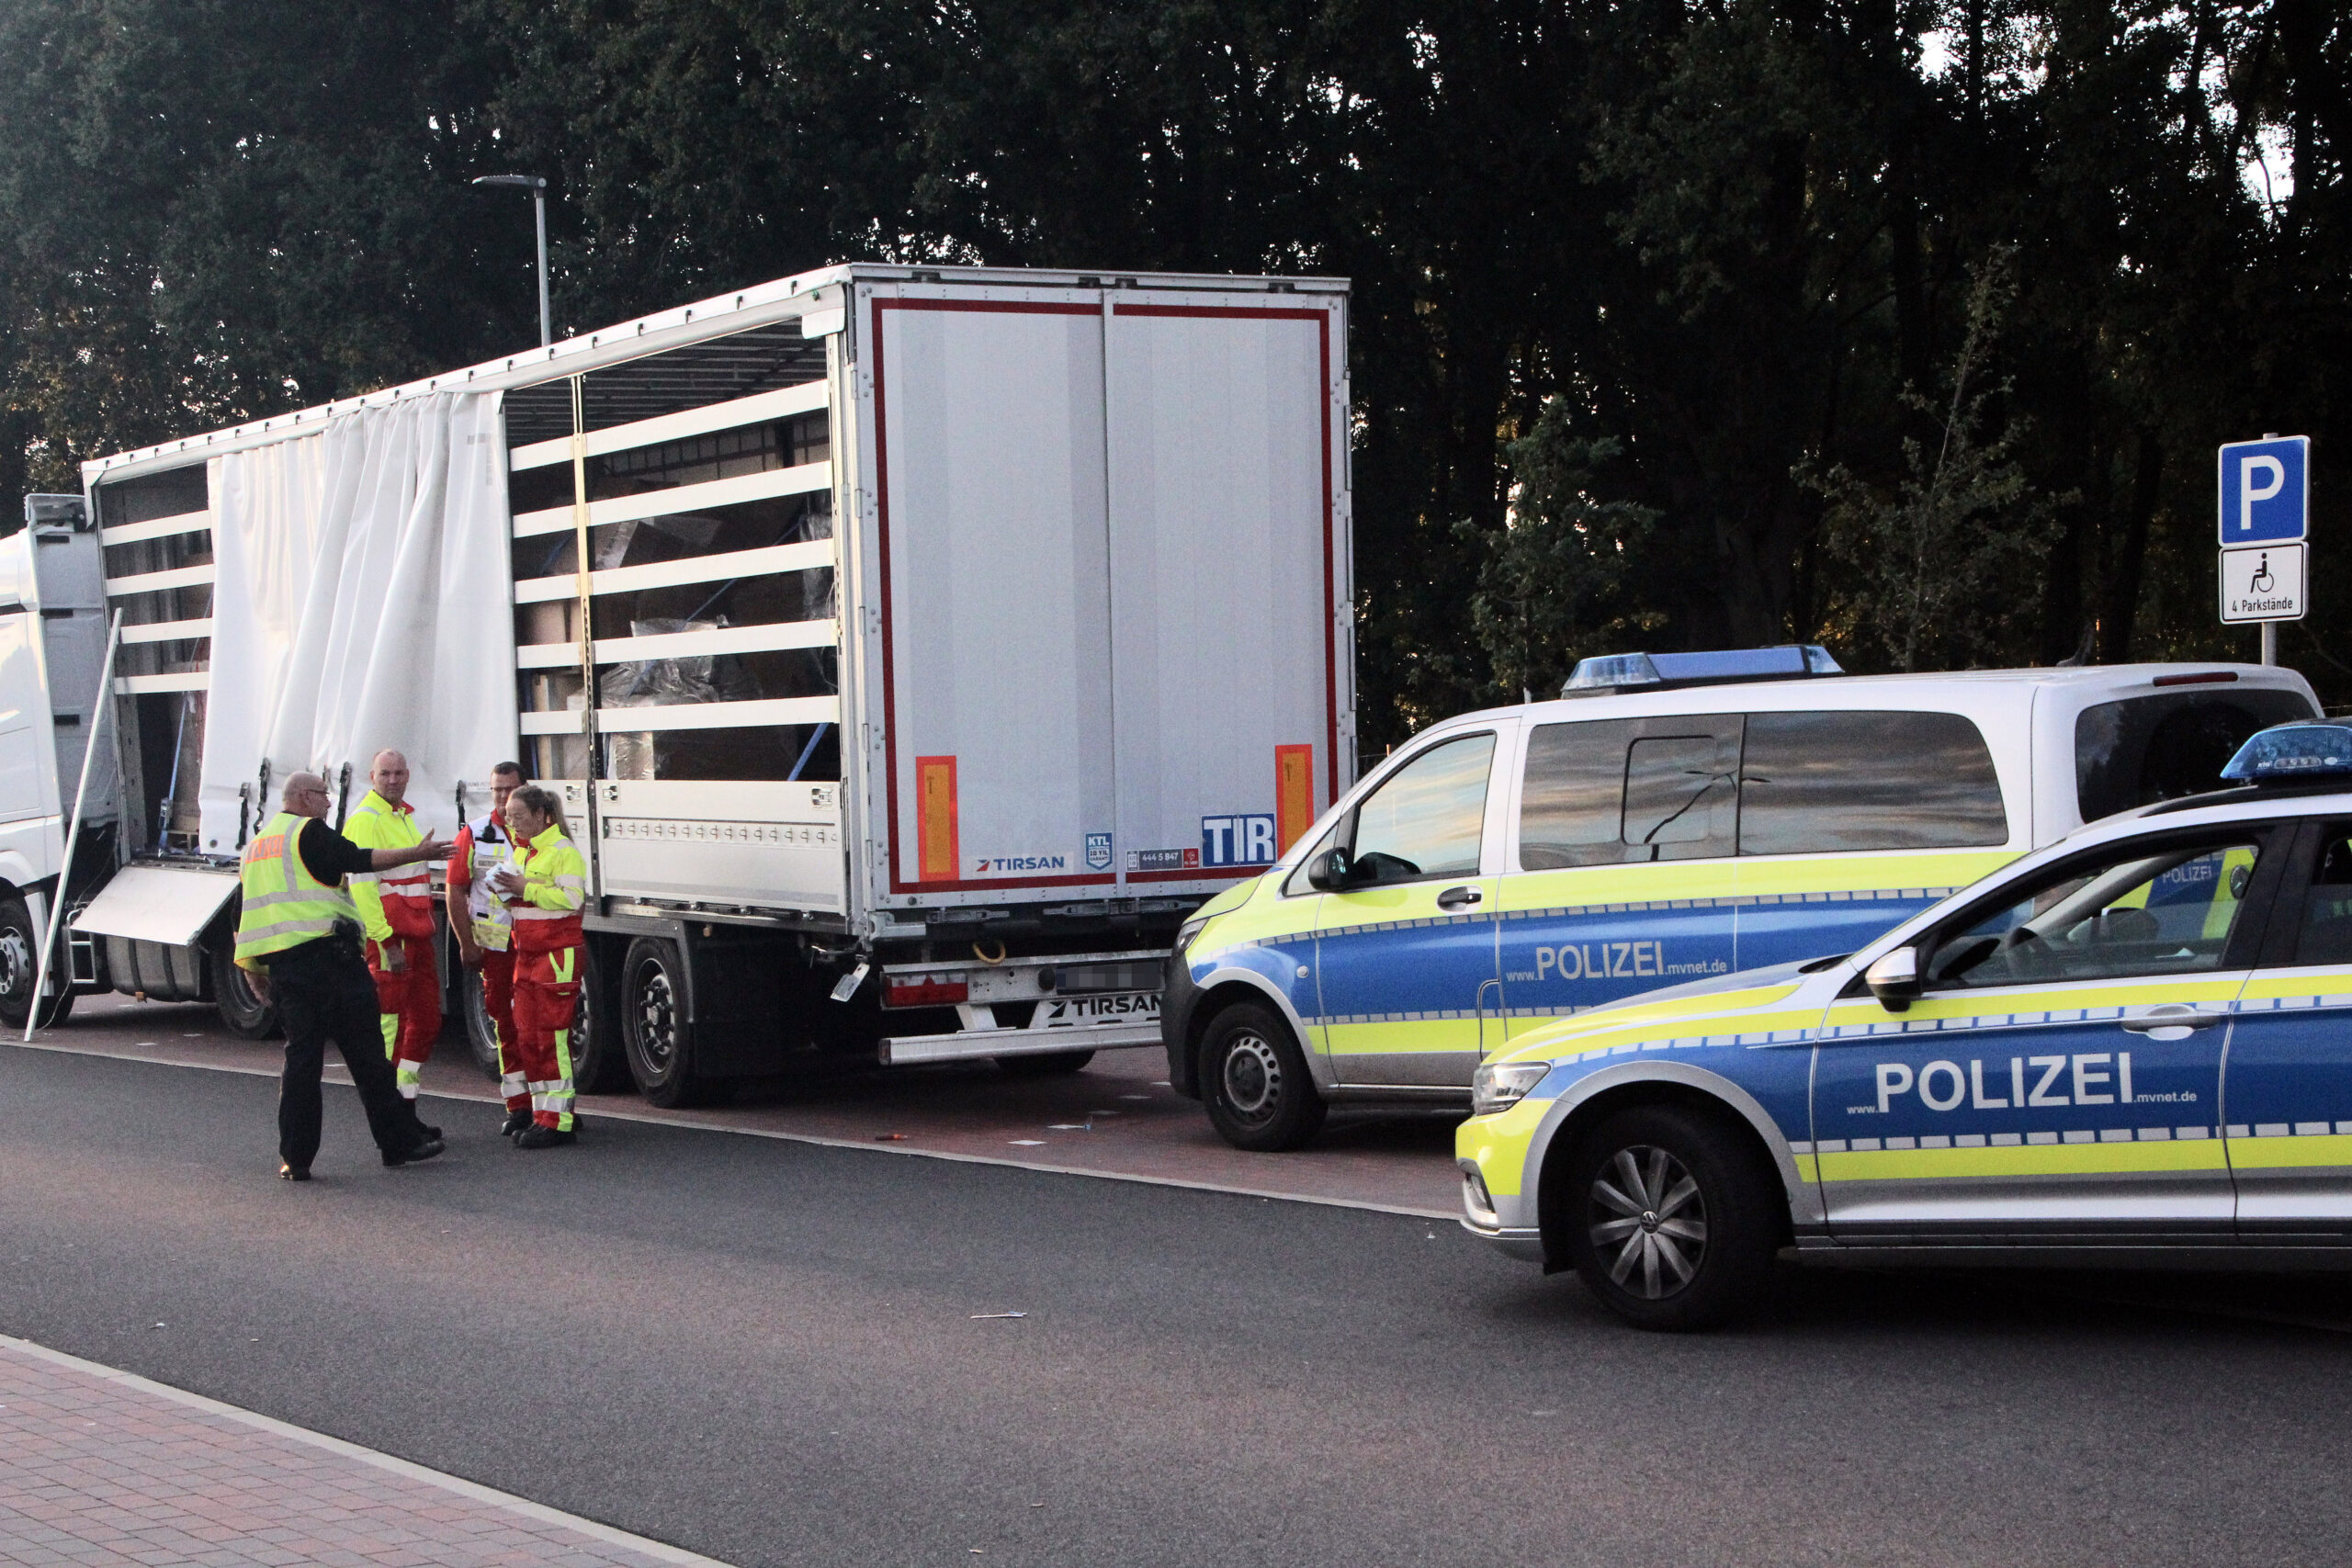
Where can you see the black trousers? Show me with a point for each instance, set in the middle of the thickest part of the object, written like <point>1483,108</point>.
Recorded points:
<point>324,992</point>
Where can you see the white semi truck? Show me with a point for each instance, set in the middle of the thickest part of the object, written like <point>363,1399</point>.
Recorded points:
<point>912,649</point>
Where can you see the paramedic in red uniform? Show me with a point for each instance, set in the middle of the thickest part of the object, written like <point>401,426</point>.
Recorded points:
<point>544,887</point>
<point>396,908</point>
<point>485,932</point>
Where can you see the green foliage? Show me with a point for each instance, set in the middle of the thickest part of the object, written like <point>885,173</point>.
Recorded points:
<point>1554,587</point>
<point>1939,572</point>
<point>1728,236</point>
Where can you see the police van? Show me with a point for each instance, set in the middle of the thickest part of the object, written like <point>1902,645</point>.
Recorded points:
<point>1668,819</point>
<point>2129,1047</point>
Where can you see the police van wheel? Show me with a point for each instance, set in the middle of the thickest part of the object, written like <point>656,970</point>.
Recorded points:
<point>242,1012</point>
<point>1254,1081</point>
<point>655,1034</point>
<point>1671,1221</point>
<point>1053,1063</point>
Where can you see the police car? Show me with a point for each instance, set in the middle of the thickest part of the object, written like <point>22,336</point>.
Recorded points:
<point>2132,1046</point>
<point>1673,819</point>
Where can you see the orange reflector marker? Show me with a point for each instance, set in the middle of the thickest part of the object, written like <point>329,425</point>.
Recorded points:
<point>1293,795</point>
<point>935,846</point>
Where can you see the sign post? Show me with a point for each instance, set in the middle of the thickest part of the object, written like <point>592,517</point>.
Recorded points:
<point>2265,518</point>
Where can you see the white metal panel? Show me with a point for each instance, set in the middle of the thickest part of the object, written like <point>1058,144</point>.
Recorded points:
<point>169,631</point>
<point>761,638</point>
<point>689,716</point>
<point>185,681</point>
<point>671,573</point>
<point>1229,586</point>
<point>156,528</point>
<point>157,581</point>
<point>782,404</point>
<point>157,903</point>
<point>984,414</point>
<point>22,697</point>
<point>765,845</point>
<point>767,482</point>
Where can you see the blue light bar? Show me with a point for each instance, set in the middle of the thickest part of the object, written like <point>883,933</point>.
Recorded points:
<point>1618,671</point>
<point>2284,752</point>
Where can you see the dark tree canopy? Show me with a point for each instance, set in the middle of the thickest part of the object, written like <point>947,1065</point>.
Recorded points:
<point>1670,322</point>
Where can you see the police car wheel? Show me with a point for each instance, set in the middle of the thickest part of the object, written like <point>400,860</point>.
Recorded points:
<point>1255,1083</point>
<point>1670,1222</point>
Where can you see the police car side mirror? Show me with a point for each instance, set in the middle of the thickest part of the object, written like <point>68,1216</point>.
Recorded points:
<point>1894,979</point>
<point>1329,872</point>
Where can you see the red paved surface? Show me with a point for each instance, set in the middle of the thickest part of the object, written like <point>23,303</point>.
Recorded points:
<point>98,1467</point>
<point>1118,1118</point>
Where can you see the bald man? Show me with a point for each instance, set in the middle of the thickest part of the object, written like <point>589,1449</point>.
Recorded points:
<point>396,908</point>
<point>298,939</point>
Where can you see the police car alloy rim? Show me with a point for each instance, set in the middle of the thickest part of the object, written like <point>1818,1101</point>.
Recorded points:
<point>1648,1221</point>
<point>1252,1077</point>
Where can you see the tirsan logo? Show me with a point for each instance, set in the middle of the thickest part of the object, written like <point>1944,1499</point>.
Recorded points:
<point>1001,864</point>
<point>2095,1078</point>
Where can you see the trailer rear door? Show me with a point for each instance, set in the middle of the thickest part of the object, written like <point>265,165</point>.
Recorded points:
<point>1106,547</point>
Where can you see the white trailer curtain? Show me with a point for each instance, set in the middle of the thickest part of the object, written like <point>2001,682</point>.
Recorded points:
<point>361,600</point>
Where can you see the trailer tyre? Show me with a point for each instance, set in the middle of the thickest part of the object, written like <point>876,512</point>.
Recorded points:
<point>655,1034</point>
<point>242,1012</point>
<point>20,969</point>
<point>1254,1081</point>
<point>1053,1063</point>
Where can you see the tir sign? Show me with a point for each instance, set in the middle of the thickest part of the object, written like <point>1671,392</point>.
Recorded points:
<point>2265,490</point>
<point>1237,840</point>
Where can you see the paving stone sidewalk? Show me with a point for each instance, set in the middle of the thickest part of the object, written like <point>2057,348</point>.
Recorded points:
<point>100,1467</point>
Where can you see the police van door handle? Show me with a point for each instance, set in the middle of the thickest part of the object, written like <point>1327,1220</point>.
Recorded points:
<point>2171,1021</point>
<point>1459,898</point>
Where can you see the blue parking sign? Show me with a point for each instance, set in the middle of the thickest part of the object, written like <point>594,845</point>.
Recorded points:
<point>2266,489</point>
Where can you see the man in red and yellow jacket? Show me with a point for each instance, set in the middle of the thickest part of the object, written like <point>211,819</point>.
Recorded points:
<point>396,909</point>
<point>544,887</point>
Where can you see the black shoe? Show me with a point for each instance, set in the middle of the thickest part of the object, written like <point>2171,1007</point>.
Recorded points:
<point>538,1137</point>
<point>516,1121</point>
<point>428,1131</point>
<point>293,1172</point>
<point>423,1149</point>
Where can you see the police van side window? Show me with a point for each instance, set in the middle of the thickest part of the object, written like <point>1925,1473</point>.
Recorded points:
<point>1426,819</point>
<point>1831,781</point>
<point>1682,790</point>
<point>1572,795</point>
<point>2143,749</point>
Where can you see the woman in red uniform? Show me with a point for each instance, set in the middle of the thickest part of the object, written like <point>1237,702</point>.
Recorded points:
<point>543,887</point>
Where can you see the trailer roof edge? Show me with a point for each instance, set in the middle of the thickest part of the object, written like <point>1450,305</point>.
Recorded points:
<point>759,305</point>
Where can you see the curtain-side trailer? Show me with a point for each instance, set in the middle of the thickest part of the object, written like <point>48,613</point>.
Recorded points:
<point>912,647</point>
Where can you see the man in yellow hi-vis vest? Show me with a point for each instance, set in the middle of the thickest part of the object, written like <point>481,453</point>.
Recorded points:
<point>298,939</point>
<point>396,908</point>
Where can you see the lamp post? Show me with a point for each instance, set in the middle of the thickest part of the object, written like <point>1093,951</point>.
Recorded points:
<point>539,189</point>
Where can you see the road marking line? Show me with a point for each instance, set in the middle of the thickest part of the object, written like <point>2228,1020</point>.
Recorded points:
<point>471,1490</point>
<point>817,1139</point>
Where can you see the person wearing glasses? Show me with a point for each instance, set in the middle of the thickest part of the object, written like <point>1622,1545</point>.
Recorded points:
<point>297,941</point>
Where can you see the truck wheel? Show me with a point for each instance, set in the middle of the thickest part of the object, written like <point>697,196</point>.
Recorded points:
<point>1053,1063</point>
<point>598,1063</point>
<point>655,1030</point>
<point>20,969</point>
<point>1671,1219</point>
<point>1254,1081</point>
<point>481,1038</point>
<point>243,1013</point>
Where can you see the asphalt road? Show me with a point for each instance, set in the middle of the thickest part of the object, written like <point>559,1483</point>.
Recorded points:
<point>768,1352</point>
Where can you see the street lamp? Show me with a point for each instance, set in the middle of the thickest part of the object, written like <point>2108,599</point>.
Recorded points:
<point>539,189</point>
